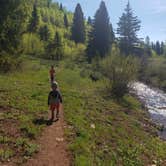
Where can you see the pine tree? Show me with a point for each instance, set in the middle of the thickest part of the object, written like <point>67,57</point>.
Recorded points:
<point>34,23</point>
<point>147,41</point>
<point>66,23</point>
<point>158,48</point>
<point>162,48</point>
<point>147,46</point>
<point>61,7</point>
<point>49,3</point>
<point>55,48</point>
<point>101,36</point>
<point>90,20</point>
<point>13,22</point>
<point>44,33</point>
<point>78,27</point>
<point>128,26</point>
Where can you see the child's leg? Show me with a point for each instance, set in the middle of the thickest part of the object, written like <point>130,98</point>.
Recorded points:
<point>52,108</point>
<point>57,111</point>
<point>52,114</point>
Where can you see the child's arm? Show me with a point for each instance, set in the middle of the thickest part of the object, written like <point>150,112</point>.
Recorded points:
<point>60,97</point>
<point>49,98</point>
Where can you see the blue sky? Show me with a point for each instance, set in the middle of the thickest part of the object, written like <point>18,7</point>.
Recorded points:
<point>152,13</point>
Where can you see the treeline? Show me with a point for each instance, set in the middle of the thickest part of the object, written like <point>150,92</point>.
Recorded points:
<point>35,27</point>
<point>45,29</point>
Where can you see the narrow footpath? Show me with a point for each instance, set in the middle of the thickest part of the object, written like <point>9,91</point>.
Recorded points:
<point>53,147</point>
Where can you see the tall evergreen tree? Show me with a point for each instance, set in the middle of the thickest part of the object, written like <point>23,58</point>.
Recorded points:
<point>13,22</point>
<point>34,22</point>
<point>55,48</point>
<point>49,3</point>
<point>90,20</point>
<point>61,7</point>
<point>44,33</point>
<point>66,22</point>
<point>101,35</point>
<point>128,26</point>
<point>147,41</point>
<point>162,48</point>
<point>158,48</point>
<point>78,27</point>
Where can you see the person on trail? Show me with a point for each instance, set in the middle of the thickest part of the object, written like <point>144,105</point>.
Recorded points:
<point>52,74</point>
<point>54,100</point>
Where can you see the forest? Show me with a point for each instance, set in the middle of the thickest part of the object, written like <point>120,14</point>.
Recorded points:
<point>95,64</point>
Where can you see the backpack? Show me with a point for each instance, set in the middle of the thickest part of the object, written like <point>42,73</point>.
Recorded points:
<point>54,99</point>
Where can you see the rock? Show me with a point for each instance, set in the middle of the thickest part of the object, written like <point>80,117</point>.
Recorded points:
<point>93,126</point>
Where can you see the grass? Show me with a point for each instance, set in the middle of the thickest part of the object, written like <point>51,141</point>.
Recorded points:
<point>101,131</point>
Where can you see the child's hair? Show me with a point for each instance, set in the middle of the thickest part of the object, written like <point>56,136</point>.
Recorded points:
<point>52,66</point>
<point>54,84</point>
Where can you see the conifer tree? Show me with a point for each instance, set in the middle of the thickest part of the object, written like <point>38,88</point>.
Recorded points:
<point>49,3</point>
<point>162,48</point>
<point>66,23</point>
<point>158,49</point>
<point>61,7</point>
<point>13,22</point>
<point>34,22</point>
<point>90,20</point>
<point>147,41</point>
<point>101,35</point>
<point>55,48</point>
<point>78,27</point>
<point>44,33</point>
<point>128,26</point>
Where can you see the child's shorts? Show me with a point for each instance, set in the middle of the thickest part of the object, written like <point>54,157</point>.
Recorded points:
<point>54,106</point>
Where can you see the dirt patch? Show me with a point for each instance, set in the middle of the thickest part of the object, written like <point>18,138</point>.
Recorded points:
<point>53,147</point>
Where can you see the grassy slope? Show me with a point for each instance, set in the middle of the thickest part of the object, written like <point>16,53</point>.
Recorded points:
<point>101,131</point>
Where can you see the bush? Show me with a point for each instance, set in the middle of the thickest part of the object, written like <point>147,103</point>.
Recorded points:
<point>31,44</point>
<point>10,63</point>
<point>120,71</point>
<point>154,72</point>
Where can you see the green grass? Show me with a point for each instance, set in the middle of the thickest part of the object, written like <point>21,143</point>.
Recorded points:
<point>101,131</point>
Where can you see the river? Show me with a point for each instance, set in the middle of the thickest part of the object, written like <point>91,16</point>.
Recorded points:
<point>155,102</point>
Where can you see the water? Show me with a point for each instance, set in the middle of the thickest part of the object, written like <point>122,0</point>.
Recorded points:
<point>155,102</point>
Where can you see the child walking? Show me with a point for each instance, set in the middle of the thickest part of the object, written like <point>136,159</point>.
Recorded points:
<point>52,74</point>
<point>54,101</point>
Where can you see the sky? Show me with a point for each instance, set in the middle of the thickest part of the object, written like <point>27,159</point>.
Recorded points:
<point>152,14</point>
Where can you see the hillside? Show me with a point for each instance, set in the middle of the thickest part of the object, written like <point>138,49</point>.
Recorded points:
<point>100,130</point>
<point>101,122</point>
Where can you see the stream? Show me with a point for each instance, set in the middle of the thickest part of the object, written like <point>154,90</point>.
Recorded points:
<point>155,101</point>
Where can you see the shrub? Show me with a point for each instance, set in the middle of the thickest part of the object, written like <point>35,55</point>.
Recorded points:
<point>31,44</point>
<point>120,71</point>
<point>10,63</point>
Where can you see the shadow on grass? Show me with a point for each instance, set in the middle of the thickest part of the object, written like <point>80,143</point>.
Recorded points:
<point>42,121</point>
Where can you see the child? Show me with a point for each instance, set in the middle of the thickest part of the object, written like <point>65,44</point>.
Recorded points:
<point>52,74</point>
<point>54,100</point>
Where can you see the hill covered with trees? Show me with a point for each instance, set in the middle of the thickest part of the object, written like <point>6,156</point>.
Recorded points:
<point>94,63</point>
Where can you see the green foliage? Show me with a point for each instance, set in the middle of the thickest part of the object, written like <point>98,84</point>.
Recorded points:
<point>120,71</point>
<point>44,33</point>
<point>34,22</point>
<point>30,149</point>
<point>6,154</point>
<point>78,27</point>
<point>55,48</point>
<point>9,63</point>
<point>32,45</point>
<point>128,27</point>
<point>154,72</point>
<point>66,22</point>
<point>101,34</point>
<point>13,24</point>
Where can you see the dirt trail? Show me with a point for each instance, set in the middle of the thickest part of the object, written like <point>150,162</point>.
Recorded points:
<point>53,147</point>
